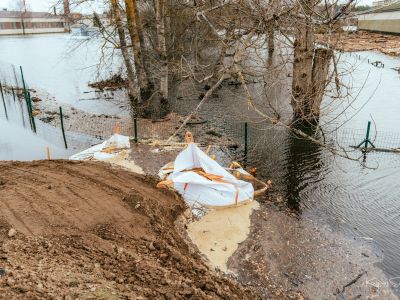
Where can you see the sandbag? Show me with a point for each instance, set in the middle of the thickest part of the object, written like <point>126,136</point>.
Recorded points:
<point>201,180</point>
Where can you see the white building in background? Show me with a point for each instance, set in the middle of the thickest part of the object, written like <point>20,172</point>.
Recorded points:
<point>15,22</point>
<point>382,2</point>
<point>381,19</point>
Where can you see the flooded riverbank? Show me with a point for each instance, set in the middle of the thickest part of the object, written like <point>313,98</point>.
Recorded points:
<point>14,141</point>
<point>359,201</point>
<point>63,65</point>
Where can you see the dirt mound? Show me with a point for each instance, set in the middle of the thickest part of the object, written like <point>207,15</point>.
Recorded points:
<point>85,230</point>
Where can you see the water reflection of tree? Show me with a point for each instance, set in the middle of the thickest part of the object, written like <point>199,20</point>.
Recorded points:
<point>303,167</point>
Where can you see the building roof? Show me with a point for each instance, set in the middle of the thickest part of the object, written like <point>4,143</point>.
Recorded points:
<point>29,14</point>
<point>385,8</point>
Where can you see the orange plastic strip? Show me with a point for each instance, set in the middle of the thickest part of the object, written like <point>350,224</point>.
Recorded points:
<point>236,197</point>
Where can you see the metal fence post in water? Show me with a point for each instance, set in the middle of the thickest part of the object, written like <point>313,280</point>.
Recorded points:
<point>367,141</point>
<point>13,93</point>
<point>26,96</point>
<point>246,135</point>
<point>31,112</point>
<point>135,128</point>
<point>23,79</point>
<point>62,128</point>
<point>4,103</point>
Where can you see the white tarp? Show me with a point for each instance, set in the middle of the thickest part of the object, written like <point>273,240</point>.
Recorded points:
<point>224,190</point>
<point>115,142</point>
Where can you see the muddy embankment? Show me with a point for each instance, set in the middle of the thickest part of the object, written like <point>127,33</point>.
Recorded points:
<point>289,256</point>
<point>283,255</point>
<point>85,230</point>
<point>362,41</point>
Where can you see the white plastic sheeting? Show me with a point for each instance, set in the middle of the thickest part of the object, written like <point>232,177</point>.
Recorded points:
<point>105,150</point>
<point>212,186</point>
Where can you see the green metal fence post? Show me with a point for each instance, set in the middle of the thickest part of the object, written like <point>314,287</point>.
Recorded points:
<point>26,95</point>
<point>366,141</point>
<point>31,112</point>
<point>62,128</point>
<point>246,135</point>
<point>23,79</point>
<point>4,103</point>
<point>135,127</point>
<point>13,93</point>
<point>367,135</point>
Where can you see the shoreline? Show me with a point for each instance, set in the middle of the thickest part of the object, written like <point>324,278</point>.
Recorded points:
<point>254,248</point>
<point>274,234</point>
<point>302,255</point>
<point>362,41</point>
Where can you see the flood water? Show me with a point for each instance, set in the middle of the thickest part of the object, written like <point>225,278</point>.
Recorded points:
<point>61,65</point>
<point>58,66</point>
<point>14,141</point>
<point>362,200</point>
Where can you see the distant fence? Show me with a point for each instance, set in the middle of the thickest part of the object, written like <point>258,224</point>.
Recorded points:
<point>79,134</point>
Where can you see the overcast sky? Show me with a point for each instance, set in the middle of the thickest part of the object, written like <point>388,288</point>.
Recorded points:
<point>45,5</point>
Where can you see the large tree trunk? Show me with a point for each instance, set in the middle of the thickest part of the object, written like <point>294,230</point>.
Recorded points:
<point>310,71</point>
<point>137,53</point>
<point>320,72</point>
<point>162,48</point>
<point>302,71</point>
<point>145,56</point>
<point>271,44</point>
<point>67,16</point>
<point>303,56</point>
<point>124,50</point>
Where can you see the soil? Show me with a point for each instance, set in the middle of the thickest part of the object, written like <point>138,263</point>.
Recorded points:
<point>287,257</point>
<point>362,41</point>
<point>85,230</point>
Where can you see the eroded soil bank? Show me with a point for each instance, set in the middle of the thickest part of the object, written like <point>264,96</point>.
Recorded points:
<point>88,231</point>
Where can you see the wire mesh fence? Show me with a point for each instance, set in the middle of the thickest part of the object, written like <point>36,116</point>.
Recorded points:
<point>83,131</point>
<point>380,139</point>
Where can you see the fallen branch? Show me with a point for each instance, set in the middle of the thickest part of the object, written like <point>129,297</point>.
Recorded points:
<point>338,292</point>
<point>206,96</point>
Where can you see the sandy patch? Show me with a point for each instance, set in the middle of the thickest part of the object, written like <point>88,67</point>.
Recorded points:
<point>123,160</point>
<point>219,232</point>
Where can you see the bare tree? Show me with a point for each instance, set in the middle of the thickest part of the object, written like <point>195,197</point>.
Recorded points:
<point>162,48</point>
<point>132,20</point>
<point>124,49</point>
<point>23,8</point>
<point>67,15</point>
<point>209,42</point>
